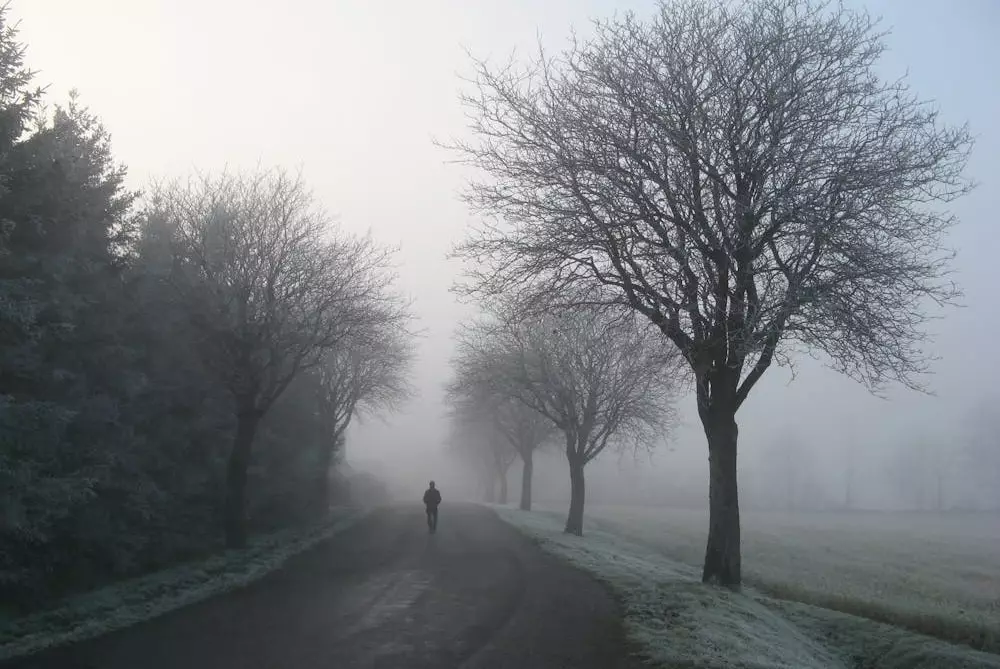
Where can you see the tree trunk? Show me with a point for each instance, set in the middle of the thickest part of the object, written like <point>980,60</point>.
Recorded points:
<point>236,479</point>
<point>527,471</point>
<point>574,522</point>
<point>502,477</point>
<point>722,554</point>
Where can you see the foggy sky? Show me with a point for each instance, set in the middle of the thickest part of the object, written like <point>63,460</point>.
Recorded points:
<point>354,91</point>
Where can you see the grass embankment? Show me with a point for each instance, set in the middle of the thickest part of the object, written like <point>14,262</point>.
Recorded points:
<point>680,623</point>
<point>135,600</point>
<point>936,574</point>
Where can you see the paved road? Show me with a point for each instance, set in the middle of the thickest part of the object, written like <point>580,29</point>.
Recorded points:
<point>385,594</point>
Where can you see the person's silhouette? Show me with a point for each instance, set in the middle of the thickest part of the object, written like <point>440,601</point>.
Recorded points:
<point>432,498</point>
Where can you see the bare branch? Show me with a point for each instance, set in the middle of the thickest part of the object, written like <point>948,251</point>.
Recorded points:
<point>738,175</point>
<point>596,378</point>
<point>268,280</point>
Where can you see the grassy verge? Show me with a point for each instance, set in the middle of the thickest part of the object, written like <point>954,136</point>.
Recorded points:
<point>682,623</point>
<point>947,627</point>
<point>953,623</point>
<point>129,602</point>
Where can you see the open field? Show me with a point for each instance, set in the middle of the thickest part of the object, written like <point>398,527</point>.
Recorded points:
<point>678,622</point>
<point>934,573</point>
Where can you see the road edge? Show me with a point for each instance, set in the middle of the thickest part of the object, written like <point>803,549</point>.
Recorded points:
<point>95,614</point>
<point>636,654</point>
<point>676,621</point>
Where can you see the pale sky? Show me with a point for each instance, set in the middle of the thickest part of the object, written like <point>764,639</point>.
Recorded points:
<point>354,91</point>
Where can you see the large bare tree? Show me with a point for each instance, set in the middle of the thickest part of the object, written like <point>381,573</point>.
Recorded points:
<point>269,285</point>
<point>738,174</point>
<point>598,376</point>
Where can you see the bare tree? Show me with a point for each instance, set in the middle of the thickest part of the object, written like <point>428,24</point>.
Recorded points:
<point>474,438</point>
<point>788,464</point>
<point>922,465</point>
<point>598,378</point>
<point>524,429</point>
<point>981,453</point>
<point>851,471</point>
<point>740,176</point>
<point>365,374</point>
<point>269,286</point>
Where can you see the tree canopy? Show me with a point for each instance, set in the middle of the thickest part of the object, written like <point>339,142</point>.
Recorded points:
<point>739,175</point>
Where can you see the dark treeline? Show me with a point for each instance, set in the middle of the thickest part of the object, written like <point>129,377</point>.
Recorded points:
<point>170,363</point>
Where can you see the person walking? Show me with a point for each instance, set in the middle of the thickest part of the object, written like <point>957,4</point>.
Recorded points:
<point>432,498</point>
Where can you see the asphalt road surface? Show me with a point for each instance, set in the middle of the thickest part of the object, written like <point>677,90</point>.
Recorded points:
<point>385,593</point>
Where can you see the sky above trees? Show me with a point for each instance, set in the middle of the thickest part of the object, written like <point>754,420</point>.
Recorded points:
<point>354,93</point>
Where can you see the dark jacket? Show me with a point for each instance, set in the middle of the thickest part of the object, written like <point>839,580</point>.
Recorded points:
<point>432,498</point>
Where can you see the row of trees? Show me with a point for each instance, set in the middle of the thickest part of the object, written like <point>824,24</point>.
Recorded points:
<point>171,364</point>
<point>589,379</point>
<point>736,174</point>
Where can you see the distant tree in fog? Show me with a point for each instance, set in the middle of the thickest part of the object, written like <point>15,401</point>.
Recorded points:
<point>269,286</point>
<point>922,466</point>
<point>783,467</point>
<point>476,441</point>
<point>981,453</point>
<point>523,428</point>
<point>738,174</point>
<point>526,430</point>
<point>599,377</point>
<point>366,373</point>
<point>851,473</point>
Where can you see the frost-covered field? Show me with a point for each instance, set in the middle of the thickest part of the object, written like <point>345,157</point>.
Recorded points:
<point>681,623</point>
<point>129,602</point>
<point>933,572</point>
